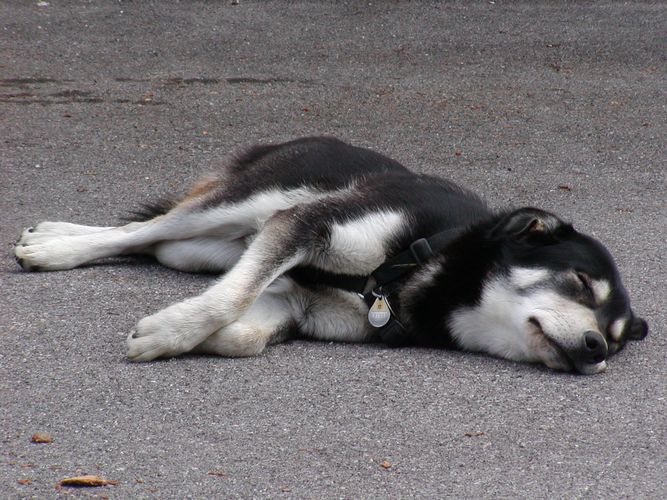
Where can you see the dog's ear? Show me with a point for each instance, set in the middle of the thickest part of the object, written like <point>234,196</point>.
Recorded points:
<point>528,223</point>
<point>638,329</point>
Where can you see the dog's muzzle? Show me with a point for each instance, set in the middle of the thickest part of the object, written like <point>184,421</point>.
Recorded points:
<point>591,355</point>
<point>587,356</point>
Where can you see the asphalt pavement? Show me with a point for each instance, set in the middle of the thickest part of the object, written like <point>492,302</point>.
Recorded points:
<point>104,105</point>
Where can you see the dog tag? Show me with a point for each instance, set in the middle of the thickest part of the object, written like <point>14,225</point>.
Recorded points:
<point>379,313</point>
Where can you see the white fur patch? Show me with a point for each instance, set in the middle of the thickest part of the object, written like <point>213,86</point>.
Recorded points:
<point>500,323</point>
<point>525,277</point>
<point>199,254</point>
<point>52,246</point>
<point>617,327</point>
<point>248,336</point>
<point>249,215</point>
<point>182,326</point>
<point>601,290</point>
<point>359,246</point>
<point>496,326</point>
<point>422,278</point>
<point>331,315</point>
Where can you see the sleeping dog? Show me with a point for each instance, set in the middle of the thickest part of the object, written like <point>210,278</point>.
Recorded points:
<point>320,239</point>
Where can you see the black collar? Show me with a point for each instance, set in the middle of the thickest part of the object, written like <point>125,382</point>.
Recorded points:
<point>393,332</point>
<point>415,255</point>
<point>381,282</point>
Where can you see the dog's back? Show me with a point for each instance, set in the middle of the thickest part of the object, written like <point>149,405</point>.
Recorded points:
<point>323,167</point>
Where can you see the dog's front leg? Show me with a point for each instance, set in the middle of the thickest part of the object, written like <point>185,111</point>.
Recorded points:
<point>182,326</point>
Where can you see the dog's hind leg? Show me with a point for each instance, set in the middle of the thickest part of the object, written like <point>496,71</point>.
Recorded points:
<point>334,315</point>
<point>50,250</point>
<point>61,246</point>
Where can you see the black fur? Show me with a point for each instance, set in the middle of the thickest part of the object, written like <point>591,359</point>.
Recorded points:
<point>150,210</point>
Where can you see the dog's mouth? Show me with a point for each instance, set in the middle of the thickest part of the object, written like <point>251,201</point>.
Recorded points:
<point>556,357</point>
<point>551,353</point>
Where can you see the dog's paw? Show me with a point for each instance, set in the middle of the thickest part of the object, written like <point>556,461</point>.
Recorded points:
<point>46,254</point>
<point>170,332</point>
<point>52,246</point>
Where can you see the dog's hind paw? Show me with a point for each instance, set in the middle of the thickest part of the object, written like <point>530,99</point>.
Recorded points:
<point>51,246</point>
<point>51,254</point>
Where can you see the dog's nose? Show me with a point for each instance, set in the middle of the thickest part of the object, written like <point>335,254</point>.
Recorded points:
<point>595,348</point>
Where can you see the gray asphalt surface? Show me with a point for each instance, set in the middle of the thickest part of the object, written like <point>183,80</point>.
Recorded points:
<point>104,105</point>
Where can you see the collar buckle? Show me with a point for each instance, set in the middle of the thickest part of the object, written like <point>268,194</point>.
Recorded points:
<point>421,250</point>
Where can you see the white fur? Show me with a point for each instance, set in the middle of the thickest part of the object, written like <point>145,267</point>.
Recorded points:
<point>601,290</point>
<point>617,327</point>
<point>50,229</point>
<point>500,324</point>
<point>501,311</point>
<point>249,335</point>
<point>249,215</point>
<point>50,248</point>
<point>208,253</point>
<point>422,278</point>
<point>525,277</point>
<point>592,369</point>
<point>338,316</point>
<point>359,245</point>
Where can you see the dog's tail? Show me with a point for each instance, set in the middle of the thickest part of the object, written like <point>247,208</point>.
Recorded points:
<point>148,211</point>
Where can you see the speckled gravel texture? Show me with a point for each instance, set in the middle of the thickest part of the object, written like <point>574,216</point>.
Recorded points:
<point>104,105</point>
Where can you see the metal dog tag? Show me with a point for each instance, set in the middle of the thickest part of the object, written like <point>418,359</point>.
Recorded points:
<point>379,313</point>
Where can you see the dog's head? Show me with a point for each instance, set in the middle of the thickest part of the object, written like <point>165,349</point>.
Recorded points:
<point>554,296</point>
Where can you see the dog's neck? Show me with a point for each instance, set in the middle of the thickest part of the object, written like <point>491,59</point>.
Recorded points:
<point>451,279</point>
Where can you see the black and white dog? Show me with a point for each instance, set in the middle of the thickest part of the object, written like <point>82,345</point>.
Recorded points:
<point>324,240</point>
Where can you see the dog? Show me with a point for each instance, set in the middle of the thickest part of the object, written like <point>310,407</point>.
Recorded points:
<point>324,240</point>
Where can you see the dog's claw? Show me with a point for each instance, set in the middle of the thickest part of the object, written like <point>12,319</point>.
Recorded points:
<point>19,261</point>
<point>31,229</point>
<point>134,334</point>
